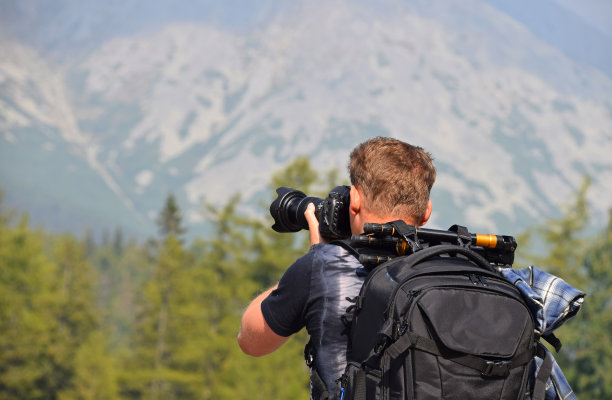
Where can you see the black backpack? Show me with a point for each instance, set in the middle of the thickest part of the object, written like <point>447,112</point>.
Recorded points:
<point>441,323</point>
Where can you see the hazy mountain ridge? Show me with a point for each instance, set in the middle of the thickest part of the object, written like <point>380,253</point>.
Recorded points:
<point>205,112</point>
<point>48,167</point>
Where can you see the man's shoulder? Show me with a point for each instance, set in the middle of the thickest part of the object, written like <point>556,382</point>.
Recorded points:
<point>328,252</point>
<point>333,248</point>
<point>321,255</point>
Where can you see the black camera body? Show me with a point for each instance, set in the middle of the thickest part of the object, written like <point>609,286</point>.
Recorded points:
<point>332,212</point>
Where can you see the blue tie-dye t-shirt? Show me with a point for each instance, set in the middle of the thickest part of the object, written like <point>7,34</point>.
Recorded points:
<point>313,294</point>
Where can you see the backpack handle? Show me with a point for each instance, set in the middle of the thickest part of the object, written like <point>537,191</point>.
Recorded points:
<point>437,250</point>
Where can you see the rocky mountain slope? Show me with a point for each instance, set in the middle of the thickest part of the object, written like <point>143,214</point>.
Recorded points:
<point>99,140</point>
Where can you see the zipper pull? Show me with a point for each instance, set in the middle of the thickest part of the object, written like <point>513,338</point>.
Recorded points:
<point>473,279</point>
<point>400,328</point>
<point>482,280</point>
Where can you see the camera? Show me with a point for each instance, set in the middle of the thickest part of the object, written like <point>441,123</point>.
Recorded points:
<point>332,212</point>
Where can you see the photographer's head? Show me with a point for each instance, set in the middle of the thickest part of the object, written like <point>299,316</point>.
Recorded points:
<point>390,180</point>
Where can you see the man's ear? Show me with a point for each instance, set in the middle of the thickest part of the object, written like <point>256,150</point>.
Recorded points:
<point>427,213</point>
<point>355,205</point>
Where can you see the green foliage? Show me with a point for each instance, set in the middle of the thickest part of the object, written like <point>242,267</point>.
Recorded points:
<point>587,355</point>
<point>183,340</point>
<point>123,320</point>
<point>584,262</point>
<point>95,372</point>
<point>298,175</point>
<point>563,239</point>
<point>27,354</point>
<point>170,219</point>
<point>47,314</point>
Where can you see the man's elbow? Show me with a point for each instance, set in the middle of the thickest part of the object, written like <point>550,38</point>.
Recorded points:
<point>250,348</point>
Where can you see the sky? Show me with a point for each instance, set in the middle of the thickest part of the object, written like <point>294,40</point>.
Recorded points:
<point>60,26</point>
<point>598,13</point>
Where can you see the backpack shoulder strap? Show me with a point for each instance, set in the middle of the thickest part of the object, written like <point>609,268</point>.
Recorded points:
<point>539,389</point>
<point>318,386</point>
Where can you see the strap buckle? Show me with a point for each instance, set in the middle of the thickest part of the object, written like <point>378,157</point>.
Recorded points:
<point>309,354</point>
<point>499,369</point>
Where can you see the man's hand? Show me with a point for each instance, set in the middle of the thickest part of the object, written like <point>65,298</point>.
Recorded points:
<point>313,224</point>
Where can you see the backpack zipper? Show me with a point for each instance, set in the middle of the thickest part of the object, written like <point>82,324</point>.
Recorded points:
<point>478,279</point>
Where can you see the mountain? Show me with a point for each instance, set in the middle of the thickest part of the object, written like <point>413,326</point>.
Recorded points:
<point>556,22</point>
<point>48,167</point>
<point>204,111</point>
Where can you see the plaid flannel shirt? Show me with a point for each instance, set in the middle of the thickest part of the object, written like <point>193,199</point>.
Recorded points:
<point>552,301</point>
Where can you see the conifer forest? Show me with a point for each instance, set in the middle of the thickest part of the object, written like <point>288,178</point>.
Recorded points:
<point>116,318</point>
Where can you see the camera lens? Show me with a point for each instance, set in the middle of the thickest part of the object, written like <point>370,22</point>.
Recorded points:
<point>288,209</point>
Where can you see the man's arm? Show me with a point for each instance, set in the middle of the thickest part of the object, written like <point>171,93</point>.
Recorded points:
<point>255,337</point>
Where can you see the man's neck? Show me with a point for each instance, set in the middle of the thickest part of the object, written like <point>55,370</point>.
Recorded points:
<point>377,219</point>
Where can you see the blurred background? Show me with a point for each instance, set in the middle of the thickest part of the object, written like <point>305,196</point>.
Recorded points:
<point>141,142</point>
<point>106,107</point>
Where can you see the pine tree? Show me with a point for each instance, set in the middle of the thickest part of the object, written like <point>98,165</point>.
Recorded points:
<point>586,357</point>
<point>47,312</point>
<point>118,242</point>
<point>563,239</point>
<point>584,262</point>
<point>170,219</point>
<point>94,371</point>
<point>159,335</point>
<point>298,174</point>
<point>28,358</point>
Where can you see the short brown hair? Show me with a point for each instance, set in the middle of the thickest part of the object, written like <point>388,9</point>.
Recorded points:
<point>395,177</point>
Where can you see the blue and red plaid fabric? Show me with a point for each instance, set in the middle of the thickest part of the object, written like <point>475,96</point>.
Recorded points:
<point>552,301</point>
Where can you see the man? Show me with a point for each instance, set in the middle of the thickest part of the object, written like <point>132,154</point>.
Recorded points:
<point>390,180</point>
